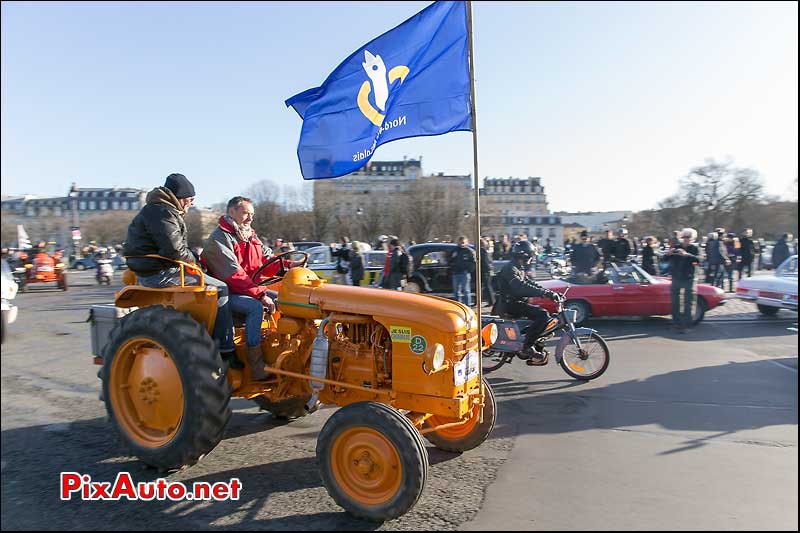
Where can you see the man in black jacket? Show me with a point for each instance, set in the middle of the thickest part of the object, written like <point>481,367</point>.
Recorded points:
<point>159,228</point>
<point>585,255</point>
<point>748,253</point>
<point>514,290</point>
<point>682,262</point>
<point>622,247</point>
<point>606,246</point>
<point>462,266</point>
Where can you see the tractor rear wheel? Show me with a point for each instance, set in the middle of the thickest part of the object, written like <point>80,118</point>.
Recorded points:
<point>372,461</point>
<point>164,388</point>
<point>468,435</point>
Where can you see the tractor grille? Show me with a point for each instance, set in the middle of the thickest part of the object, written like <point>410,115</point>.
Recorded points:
<point>464,344</point>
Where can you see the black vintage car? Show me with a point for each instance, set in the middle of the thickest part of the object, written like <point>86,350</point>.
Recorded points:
<point>431,271</point>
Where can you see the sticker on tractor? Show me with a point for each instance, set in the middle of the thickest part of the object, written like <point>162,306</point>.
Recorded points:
<point>418,344</point>
<point>400,334</point>
<point>460,373</point>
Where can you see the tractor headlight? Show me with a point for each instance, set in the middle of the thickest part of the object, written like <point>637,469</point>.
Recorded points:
<point>434,359</point>
<point>438,357</point>
<point>489,334</point>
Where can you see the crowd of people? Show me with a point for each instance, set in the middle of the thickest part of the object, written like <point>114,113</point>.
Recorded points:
<point>724,256</point>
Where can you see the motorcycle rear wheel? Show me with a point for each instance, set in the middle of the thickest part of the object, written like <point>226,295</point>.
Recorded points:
<point>491,361</point>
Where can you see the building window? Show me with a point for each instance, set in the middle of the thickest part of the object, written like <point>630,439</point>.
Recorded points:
<point>92,204</point>
<point>57,211</point>
<point>134,205</point>
<point>538,232</point>
<point>114,204</point>
<point>103,205</point>
<point>551,232</point>
<point>83,206</point>
<point>30,212</point>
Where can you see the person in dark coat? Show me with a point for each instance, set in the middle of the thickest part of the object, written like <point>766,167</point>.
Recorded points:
<point>781,250</point>
<point>159,228</point>
<point>585,255</point>
<point>649,257</point>
<point>622,247</point>
<point>514,290</point>
<point>606,246</point>
<point>682,262</point>
<point>356,264</point>
<point>462,267</point>
<point>397,266</point>
<point>486,274</point>
<point>747,253</point>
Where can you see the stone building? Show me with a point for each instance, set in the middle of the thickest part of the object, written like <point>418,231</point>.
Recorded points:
<point>517,206</point>
<point>53,218</point>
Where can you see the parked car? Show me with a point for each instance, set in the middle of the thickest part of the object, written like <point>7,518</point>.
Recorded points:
<point>624,290</point>
<point>431,271</point>
<point>324,265</point>
<point>304,246</point>
<point>772,293</point>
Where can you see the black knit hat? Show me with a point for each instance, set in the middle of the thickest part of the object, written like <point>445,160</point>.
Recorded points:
<point>180,186</point>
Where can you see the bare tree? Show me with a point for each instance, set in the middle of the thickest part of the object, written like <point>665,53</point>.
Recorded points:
<point>107,228</point>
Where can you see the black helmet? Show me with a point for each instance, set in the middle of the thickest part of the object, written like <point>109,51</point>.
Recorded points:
<point>523,250</point>
<point>622,232</point>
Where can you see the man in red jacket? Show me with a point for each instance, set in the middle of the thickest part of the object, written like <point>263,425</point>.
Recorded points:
<point>233,252</point>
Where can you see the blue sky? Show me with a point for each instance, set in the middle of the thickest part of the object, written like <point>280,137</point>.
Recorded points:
<point>610,103</point>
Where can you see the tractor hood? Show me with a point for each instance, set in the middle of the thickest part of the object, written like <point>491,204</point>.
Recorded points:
<point>303,294</point>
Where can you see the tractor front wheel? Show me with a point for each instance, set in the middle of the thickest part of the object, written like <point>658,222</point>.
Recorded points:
<point>468,435</point>
<point>372,461</point>
<point>164,388</point>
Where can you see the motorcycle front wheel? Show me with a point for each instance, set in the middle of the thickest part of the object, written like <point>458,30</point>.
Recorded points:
<point>491,361</point>
<point>590,361</point>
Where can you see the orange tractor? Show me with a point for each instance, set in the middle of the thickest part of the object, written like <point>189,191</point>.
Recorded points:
<point>403,367</point>
<point>41,268</point>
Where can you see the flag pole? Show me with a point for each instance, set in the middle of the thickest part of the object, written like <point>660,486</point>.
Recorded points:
<point>478,288</point>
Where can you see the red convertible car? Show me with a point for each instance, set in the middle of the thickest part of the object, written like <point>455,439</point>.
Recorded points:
<point>624,290</point>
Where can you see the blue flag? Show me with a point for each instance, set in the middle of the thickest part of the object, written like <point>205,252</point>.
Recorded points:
<point>411,81</point>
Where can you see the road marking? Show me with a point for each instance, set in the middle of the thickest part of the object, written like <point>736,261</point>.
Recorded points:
<point>785,367</point>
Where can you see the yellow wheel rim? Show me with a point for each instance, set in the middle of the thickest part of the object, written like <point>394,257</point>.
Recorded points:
<point>456,432</point>
<point>366,466</point>
<point>146,392</point>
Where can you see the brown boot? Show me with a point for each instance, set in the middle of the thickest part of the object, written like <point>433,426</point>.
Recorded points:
<point>256,359</point>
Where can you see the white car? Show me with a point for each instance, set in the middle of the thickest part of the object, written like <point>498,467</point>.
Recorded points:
<point>772,293</point>
<point>8,288</point>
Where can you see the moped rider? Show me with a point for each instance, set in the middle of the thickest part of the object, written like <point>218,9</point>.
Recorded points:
<point>514,290</point>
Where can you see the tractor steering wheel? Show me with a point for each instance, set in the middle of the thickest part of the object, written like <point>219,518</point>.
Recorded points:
<point>281,271</point>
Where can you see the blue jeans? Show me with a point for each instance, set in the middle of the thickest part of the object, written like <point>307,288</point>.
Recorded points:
<point>461,287</point>
<point>253,310</point>
<point>223,326</point>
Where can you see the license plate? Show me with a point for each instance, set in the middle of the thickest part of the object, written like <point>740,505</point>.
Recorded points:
<point>466,369</point>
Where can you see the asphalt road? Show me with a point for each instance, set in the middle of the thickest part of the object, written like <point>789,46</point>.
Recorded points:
<point>695,431</point>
